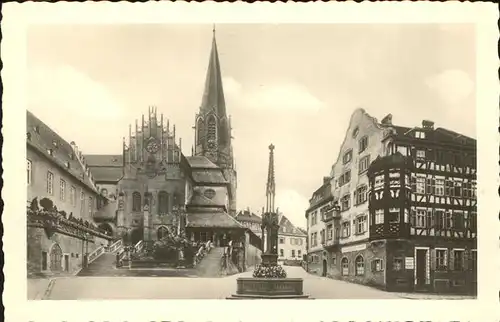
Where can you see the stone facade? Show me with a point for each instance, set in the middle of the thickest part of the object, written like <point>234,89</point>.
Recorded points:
<point>56,171</point>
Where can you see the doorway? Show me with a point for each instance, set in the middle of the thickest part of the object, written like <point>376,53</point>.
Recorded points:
<point>421,267</point>
<point>66,263</point>
<point>56,258</point>
<point>324,268</point>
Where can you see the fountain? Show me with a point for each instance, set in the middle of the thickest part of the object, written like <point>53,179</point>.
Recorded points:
<point>269,279</point>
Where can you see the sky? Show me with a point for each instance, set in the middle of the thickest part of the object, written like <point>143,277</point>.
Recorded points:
<point>295,86</point>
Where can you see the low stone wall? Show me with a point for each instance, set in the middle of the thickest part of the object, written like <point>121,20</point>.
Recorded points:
<point>40,246</point>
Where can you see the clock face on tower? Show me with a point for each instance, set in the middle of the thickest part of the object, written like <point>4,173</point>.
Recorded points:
<point>152,146</point>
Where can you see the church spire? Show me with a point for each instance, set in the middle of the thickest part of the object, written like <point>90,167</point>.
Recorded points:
<point>213,95</point>
<point>271,184</point>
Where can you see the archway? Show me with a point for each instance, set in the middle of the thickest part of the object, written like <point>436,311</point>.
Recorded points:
<point>136,235</point>
<point>324,268</point>
<point>345,266</point>
<point>107,228</point>
<point>56,258</point>
<point>162,232</point>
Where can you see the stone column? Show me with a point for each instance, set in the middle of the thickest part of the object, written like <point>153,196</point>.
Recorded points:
<point>147,230</point>
<point>120,217</point>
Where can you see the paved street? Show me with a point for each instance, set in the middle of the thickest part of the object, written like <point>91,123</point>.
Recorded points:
<point>74,288</point>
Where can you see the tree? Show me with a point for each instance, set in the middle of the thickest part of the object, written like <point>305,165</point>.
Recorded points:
<point>47,204</point>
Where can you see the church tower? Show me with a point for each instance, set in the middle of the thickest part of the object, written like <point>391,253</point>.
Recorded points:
<point>213,126</point>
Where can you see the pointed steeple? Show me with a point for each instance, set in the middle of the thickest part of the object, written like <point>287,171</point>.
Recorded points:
<point>213,95</point>
<point>271,184</point>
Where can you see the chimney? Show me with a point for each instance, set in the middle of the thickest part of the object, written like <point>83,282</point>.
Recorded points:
<point>387,120</point>
<point>426,124</point>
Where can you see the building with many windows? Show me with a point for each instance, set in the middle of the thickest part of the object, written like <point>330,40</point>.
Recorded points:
<point>62,202</point>
<point>406,218</point>
<point>291,239</point>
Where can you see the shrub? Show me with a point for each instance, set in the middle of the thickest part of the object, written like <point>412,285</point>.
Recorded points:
<point>269,271</point>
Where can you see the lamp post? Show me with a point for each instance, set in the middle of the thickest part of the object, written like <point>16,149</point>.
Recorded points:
<point>85,255</point>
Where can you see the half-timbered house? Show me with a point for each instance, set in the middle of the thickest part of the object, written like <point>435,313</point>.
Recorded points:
<point>423,208</point>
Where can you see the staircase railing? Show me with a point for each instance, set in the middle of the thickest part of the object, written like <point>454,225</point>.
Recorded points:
<point>115,246</point>
<point>95,254</point>
<point>139,246</point>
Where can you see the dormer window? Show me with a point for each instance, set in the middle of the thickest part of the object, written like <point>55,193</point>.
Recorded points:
<point>67,164</point>
<point>54,143</point>
<point>50,151</point>
<point>37,128</point>
<point>28,136</point>
<point>420,134</point>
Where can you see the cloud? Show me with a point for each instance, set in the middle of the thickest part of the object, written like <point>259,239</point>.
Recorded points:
<point>64,88</point>
<point>283,96</point>
<point>293,205</point>
<point>231,87</point>
<point>453,86</point>
<point>77,107</point>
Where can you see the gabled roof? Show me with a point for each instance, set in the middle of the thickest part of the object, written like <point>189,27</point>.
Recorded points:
<point>42,138</point>
<point>437,135</point>
<point>286,227</point>
<point>248,216</point>
<point>103,160</point>
<point>200,162</point>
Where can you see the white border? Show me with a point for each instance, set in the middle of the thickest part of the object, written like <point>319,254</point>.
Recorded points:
<point>18,16</point>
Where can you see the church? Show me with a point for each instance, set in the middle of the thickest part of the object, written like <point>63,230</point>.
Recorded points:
<point>153,189</point>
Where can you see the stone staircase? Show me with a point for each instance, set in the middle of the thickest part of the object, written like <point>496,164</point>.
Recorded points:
<point>104,265</point>
<point>210,265</point>
<point>102,261</point>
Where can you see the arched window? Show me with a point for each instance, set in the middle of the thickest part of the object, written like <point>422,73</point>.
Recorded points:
<point>162,202</point>
<point>136,201</point>
<point>360,265</point>
<point>162,232</point>
<point>56,258</point>
<point>345,266</point>
<point>199,129</point>
<point>212,129</point>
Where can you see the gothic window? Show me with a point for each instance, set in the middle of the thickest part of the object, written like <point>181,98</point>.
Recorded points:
<point>199,129</point>
<point>212,129</point>
<point>136,201</point>
<point>162,202</point>
<point>162,232</point>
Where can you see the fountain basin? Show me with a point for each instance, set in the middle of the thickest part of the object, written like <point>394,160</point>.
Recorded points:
<point>269,288</point>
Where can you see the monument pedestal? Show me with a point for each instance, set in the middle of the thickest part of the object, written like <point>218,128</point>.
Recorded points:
<point>269,288</point>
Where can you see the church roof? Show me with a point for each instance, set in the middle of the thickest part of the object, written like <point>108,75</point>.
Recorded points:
<point>200,199</point>
<point>103,160</point>
<point>200,162</point>
<point>106,174</point>
<point>213,95</point>
<point>208,177</point>
<point>217,219</point>
<point>43,139</point>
